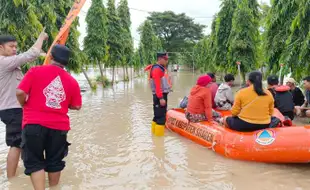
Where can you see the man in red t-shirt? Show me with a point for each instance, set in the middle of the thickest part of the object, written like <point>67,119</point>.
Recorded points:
<point>46,93</point>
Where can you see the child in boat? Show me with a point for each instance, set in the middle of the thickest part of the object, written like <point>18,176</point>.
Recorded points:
<point>224,98</point>
<point>253,106</point>
<point>199,106</point>
<point>283,99</point>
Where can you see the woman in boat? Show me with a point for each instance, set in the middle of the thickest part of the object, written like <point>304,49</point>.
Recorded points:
<point>253,106</point>
<point>199,107</point>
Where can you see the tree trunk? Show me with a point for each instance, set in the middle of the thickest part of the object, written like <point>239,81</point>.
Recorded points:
<point>87,78</point>
<point>124,73</point>
<point>127,73</point>
<point>113,75</point>
<point>101,73</point>
<point>242,78</point>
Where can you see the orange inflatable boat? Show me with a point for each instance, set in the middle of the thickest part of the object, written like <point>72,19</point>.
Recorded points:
<point>287,144</point>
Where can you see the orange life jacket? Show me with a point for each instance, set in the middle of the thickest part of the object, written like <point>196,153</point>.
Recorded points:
<point>148,68</point>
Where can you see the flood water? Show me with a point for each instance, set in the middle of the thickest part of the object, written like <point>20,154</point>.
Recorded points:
<point>112,148</point>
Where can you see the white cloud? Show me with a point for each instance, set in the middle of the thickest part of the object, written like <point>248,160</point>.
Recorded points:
<point>201,10</point>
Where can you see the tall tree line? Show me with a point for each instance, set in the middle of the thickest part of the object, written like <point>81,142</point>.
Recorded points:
<point>258,36</point>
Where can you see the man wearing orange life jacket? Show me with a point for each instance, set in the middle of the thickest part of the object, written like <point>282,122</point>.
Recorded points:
<point>160,85</point>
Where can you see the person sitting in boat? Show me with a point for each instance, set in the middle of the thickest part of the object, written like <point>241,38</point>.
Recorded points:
<point>224,98</point>
<point>304,110</point>
<point>199,107</point>
<point>298,96</point>
<point>283,99</point>
<point>213,87</point>
<point>253,106</point>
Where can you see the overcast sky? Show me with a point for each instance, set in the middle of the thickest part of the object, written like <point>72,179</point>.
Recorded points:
<point>201,10</point>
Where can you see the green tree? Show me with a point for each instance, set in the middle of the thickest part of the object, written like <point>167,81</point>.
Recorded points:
<point>95,42</point>
<point>127,50</point>
<point>177,32</point>
<point>279,19</point>
<point>223,30</point>
<point>200,54</point>
<point>297,52</point>
<point>243,38</point>
<point>149,43</point>
<point>25,20</point>
<point>114,37</point>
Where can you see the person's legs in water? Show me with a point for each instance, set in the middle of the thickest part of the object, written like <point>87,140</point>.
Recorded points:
<point>12,162</point>
<point>160,111</point>
<point>12,118</point>
<point>38,180</point>
<point>33,143</point>
<point>56,150</point>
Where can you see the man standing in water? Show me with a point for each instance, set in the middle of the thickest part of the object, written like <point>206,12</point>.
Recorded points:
<point>160,86</point>
<point>46,93</point>
<point>10,76</point>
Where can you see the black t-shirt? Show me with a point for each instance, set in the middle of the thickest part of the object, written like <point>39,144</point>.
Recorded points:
<point>298,97</point>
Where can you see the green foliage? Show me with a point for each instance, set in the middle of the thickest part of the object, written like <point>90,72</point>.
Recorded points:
<point>297,52</point>
<point>96,39</point>
<point>114,35</point>
<point>279,19</point>
<point>25,20</point>
<point>104,80</point>
<point>149,43</point>
<point>127,42</point>
<point>223,30</point>
<point>243,37</point>
<point>176,31</point>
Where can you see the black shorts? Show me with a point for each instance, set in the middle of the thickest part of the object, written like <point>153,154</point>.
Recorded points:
<point>237,124</point>
<point>37,140</point>
<point>12,118</point>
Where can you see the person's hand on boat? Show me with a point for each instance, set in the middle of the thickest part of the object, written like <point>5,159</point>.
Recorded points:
<point>162,102</point>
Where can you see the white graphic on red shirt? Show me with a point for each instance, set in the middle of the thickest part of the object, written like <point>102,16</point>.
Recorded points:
<point>54,94</point>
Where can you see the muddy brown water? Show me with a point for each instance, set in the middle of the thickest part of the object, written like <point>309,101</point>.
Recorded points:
<point>112,148</point>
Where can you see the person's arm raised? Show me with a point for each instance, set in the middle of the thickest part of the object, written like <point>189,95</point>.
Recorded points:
<point>13,62</point>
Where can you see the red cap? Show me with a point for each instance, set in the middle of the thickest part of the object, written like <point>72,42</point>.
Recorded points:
<point>204,80</point>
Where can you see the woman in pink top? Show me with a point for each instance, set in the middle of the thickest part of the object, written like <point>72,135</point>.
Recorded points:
<point>213,88</point>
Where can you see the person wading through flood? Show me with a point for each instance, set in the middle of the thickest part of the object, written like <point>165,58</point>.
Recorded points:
<point>160,86</point>
<point>10,76</point>
<point>46,93</point>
